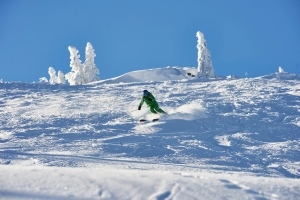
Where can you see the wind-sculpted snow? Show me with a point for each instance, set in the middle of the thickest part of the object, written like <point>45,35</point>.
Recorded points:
<point>159,74</point>
<point>249,126</point>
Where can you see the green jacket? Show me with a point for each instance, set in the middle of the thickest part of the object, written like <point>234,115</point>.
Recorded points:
<point>149,100</point>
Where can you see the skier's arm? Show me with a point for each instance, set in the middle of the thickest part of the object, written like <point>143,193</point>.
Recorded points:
<point>141,103</point>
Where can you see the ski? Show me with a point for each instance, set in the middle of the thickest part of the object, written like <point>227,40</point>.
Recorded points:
<point>144,120</point>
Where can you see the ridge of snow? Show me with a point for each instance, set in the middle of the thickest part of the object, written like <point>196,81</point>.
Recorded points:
<point>156,74</point>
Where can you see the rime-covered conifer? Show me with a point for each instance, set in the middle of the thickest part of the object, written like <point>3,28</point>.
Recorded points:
<point>61,77</point>
<point>76,75</point>
<point>205,68</point>
<point>52,74</point>
<point>90,70</point>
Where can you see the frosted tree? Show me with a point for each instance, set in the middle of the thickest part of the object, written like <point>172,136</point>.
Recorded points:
<point>53,77</point>
<point>61,77</point>
<point>280,69</point>
<point>205,68</point>
<point>42,80</point>
<point>76,75</point>
<point>89,68</point>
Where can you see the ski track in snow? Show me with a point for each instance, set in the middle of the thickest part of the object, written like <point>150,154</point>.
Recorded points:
<point>248,126</point>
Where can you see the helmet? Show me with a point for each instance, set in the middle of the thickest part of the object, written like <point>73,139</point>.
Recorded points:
<point>145,92</point>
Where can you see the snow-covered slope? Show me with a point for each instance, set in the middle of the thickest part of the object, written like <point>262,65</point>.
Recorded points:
<point>223,139</point>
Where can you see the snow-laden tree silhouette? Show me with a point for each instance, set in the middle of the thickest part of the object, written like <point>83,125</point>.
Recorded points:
<point>60,79</point>
<point>76,75</point>
<point>89,67</point>
<point>205,67</point>
<point>82,73</point>
<point>53,77</point>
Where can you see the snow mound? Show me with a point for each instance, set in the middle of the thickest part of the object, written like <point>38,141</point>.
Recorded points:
<point>282,76</point>
<point>158,74</point>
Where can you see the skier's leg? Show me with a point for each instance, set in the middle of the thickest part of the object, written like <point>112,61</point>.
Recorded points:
<point>159,110</point>
<point>152,109</point>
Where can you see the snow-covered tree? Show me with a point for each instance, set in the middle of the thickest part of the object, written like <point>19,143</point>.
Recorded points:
<point>53,77</point>
<point>90,70</point>
<point>76,76</point>
<point>205,68</point>
<point>61,77</point>
<point>280,70</point>
<point>82,73</point>
<point>42,80</point>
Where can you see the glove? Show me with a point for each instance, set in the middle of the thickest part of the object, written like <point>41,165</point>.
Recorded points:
<point>139,108</point>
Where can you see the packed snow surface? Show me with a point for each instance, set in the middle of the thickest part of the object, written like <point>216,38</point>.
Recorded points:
<point>222,138</point>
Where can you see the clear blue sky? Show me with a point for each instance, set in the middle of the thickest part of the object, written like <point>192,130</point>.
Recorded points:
<point>254,36</point>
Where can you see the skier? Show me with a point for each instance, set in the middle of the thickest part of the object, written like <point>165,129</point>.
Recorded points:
<point>151,103</point>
